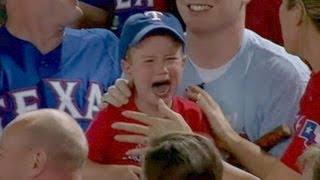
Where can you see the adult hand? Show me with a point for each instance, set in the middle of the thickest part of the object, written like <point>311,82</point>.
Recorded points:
<point>127,172</point>
<point>154,126</point>
<point>218,122</point>
<point>96,171</point>
<point>118,94</point>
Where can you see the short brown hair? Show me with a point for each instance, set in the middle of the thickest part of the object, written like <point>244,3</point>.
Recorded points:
<point>312,8</point>
<point>182,156</point>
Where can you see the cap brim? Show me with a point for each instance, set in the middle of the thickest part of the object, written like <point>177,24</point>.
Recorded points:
<point>146,30</point>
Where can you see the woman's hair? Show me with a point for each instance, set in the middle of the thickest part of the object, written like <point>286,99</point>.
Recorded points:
<point>182,156</point>
<point>311,156</point>
<point>312,8</point>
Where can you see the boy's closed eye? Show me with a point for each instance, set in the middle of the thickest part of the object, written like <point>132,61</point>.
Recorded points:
<point>148,60</point>
<point>172,58</point>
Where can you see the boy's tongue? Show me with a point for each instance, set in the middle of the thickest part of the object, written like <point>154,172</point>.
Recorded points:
<point>161,88</point>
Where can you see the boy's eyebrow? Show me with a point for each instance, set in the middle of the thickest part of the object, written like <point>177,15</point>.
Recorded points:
<point>148,56</point>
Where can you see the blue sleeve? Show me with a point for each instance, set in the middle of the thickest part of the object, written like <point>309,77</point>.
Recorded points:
<point>111,44</point>
<point>103,4</point>
<point>281,104</point>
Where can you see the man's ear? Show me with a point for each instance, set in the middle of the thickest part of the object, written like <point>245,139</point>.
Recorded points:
<point>126,68</point>
<point>300,14</point>
<point>246,2</point>
<point>39,162</point>
<point>184,58</point>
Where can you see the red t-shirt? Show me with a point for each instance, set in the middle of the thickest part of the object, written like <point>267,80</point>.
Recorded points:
<point>307,127</point>
<point>105,150</point>
<point>262,16</point>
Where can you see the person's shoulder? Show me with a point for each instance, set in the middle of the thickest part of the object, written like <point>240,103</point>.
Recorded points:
<point>111,109</point>
<point>265,47</point>
<point>92,34</point>
<point>6,39</point>
<point>273,59</point>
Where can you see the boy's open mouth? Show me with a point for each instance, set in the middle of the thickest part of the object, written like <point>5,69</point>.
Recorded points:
<point>161,88</point>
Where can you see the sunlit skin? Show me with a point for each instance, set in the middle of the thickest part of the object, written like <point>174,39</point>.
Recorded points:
<point>13,156</point>
<point>289,20</point>
<point>155,65</point>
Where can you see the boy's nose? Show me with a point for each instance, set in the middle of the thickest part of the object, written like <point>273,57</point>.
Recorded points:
<point>161,68</point>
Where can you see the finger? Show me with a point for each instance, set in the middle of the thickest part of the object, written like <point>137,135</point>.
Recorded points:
<point>102,105</point>
<point>116,93</point>
<point>124,86</point>
<point>131,127</point>
<point>205,95</point>
<point>204,104</point>
<point>136,172</point>
<point>133,176</point>
<point>110,99</point>
<point>137,152</point>
<point>191,95</point>
<point>136,139</point>
<point>140,117</point>
<point>167,112</point>
<point>136,169</point>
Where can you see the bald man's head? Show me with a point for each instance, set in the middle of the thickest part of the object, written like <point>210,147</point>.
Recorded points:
<point>49,136</point>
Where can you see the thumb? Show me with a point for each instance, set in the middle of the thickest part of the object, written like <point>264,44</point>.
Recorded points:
<point>166,111</point>
<point>130,84</point>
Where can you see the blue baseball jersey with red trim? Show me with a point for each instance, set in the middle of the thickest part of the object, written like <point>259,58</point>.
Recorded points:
<point>71,77</point>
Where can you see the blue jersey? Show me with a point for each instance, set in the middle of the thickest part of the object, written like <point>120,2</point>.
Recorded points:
<point>123,9</point>
<point>72,77</point>
<point>260,90</point>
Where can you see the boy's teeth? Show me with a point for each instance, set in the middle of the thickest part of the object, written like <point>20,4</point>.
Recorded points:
<point>199,7</point>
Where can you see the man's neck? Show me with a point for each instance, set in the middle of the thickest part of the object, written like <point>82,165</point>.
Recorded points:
<point>311,48</point>
<point>215,48</point>
<point>44,36</point>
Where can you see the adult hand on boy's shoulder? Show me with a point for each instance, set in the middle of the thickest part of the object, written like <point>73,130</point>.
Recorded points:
<point>154,126</point>
<point>117,94</point>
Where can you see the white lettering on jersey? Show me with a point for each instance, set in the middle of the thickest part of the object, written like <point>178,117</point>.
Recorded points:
<point>139,3</point>
<point>126,4</point>
<point>26,100</point>
<point>2,104</point>
<point>94,98</point>
<point>156,16</point>
<point>123,4</point>
<point>66,97</point>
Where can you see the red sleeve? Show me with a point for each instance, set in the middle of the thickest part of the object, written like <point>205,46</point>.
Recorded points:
<point>202,126</point>
<point>97,137</point>
<point>295,148</point>
<point>193,116</point>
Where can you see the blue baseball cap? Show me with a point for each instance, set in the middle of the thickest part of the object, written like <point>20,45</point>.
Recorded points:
<point>139,25</point>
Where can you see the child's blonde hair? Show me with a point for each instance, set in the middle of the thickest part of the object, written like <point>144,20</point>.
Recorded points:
<point>182,156</point>
<point>311,156</point>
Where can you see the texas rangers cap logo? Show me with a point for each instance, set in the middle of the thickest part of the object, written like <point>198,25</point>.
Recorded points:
<point>154,15</point>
